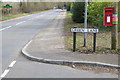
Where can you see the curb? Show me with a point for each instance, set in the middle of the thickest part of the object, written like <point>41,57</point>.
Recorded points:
<point>63,62</point>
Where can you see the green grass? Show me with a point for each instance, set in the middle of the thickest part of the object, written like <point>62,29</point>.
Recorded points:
<point>10,16</point>
<point>103,38</point>
<point>69,14</point>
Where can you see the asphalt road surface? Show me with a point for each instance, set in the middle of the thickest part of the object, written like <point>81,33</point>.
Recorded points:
<point>16,33</point>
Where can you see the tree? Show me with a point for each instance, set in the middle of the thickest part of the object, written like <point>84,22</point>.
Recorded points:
<point>78,12</point>
<point>68,6</point>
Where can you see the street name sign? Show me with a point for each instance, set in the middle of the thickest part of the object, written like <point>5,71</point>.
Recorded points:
<point>85,30</point>
<point>74,30</point>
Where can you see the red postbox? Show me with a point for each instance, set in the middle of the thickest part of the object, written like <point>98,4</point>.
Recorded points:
<point>108,15</point>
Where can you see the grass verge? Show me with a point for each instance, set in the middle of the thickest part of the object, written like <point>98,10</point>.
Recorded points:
<point>103,38</point>
<point>11,16</point>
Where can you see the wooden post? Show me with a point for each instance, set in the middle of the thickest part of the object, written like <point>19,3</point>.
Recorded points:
<point>114,33</point>
<point>119,25</point>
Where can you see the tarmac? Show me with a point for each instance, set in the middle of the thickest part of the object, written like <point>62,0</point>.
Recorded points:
<point>48,47</point>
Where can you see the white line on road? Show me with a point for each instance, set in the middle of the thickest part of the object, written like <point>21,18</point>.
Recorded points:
<point>12,64</point>
<point>7,70</point>
<point>11,26</point>
<point>24,21</point>
<point>31,19</point>
<point>5,28</point>
<point>38,16</point>
<point>20,22</point>
<point>5,73</point>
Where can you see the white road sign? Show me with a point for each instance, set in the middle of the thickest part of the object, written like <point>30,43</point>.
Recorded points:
<point>91,30</point>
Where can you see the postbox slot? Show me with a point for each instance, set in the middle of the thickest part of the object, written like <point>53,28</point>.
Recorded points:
<point>108,11</point>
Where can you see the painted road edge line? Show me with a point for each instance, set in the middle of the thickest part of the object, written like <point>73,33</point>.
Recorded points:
<point>5,28</point>
<point>20,22</point>
<point>11,26</point>
<point>12,64</point>
<point>5,73</point>
<point>8,70</point>
<point>30,57</point>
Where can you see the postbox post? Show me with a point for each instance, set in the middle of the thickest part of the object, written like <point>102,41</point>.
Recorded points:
<point>114,33</point>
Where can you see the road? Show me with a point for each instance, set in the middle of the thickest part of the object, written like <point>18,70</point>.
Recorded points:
<point>21,31</point>
<point>16,33</point>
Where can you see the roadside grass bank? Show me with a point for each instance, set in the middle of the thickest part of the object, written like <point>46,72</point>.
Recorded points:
<point>11,16</point>
<point>103,45</point>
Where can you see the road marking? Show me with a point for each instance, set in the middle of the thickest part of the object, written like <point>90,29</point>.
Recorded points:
<point>11,26</point>
<point>7,70</point>
<point>5,73</point>
<point>31,19</point>
<point>5,28</point>
<point>23,21</point>
<point>20,22</point>
<point>37,16</point>
<point>12,64</point>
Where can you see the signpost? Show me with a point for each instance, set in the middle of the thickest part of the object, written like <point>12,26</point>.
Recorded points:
<point>85,21</point>
<point>84,30</point>
<point>7,6</point>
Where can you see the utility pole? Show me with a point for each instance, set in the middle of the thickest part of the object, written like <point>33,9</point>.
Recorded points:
<point>85,21</point>
<point>119,25</point>
<point>114,33</point>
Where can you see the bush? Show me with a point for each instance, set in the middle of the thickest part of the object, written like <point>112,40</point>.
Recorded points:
<point>95,12</point>
<point>78,12</point>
